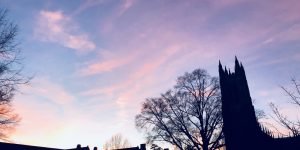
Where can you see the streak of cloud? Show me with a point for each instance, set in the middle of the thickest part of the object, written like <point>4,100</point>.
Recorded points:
<point>54,26</point>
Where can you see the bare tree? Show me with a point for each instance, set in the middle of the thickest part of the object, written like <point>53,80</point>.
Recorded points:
<point>294,95</point>
<point>188,116</point>
<point>155,147</point>
<point>10,74</point>
<point>116,142</point>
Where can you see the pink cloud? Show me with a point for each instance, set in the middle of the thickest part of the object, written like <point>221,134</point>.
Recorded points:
<point>105,66</point>
<point>87,4</point>
<point>126,4</point>
<point>55,93</point>
<point>45,125</point>
<point>140,79</point>
<point>290,34</point>
<point>38,120</point>
<point>50,117</point>
<point>109,22</point>
<point>39,106</point>
<point>54,26</point>
<point>225,3</point>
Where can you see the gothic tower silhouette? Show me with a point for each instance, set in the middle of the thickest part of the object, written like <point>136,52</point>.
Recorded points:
<point>241,128</point>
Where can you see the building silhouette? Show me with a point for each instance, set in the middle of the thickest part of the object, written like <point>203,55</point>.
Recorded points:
<point>241,128</point>
<point>12,146</point>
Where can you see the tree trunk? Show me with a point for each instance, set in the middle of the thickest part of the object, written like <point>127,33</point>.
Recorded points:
<point>205,145</point>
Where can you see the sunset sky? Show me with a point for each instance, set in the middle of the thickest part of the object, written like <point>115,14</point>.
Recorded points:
<point>95,61</point>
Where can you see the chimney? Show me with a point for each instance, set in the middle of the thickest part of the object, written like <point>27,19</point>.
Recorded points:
<point>143,147</point>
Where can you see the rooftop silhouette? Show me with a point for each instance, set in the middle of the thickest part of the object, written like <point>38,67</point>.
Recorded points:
<point>12,146</point>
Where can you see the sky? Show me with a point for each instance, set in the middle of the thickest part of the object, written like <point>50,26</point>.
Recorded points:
<point>94,62</point>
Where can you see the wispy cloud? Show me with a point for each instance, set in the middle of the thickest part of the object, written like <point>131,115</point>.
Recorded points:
<point>130,90</point>
<point>106,65</point>
<point>126,4</point>
<point>49,91</point>
<point>54,26</point>
<point>40,106</point>
<point>87,4</point>
<point>50,117</point>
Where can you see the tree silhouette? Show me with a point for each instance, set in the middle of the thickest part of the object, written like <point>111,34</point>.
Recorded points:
<point>155,147</point>
<point>188,116</point>
<point>10,74</point>
<point>116,142</point>
<point>294,95</point>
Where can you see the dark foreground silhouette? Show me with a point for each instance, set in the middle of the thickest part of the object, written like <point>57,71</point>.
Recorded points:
<point>11,146</point>
<point>241,128</point>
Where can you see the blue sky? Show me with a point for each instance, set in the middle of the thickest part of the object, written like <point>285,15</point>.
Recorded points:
<point>95,61</point>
